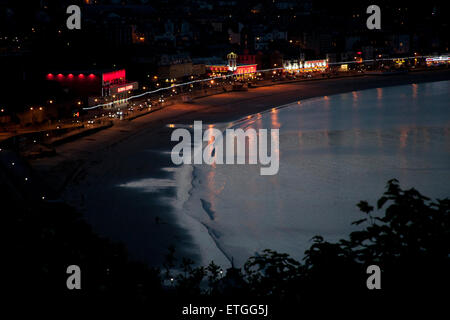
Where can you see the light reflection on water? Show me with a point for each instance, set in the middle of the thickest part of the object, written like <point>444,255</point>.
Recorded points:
<point>334,152</point>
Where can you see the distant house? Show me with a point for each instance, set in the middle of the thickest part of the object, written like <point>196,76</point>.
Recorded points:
<point>174,66</point>
<point>263,39</point>
<point>227,3</point>
<point>246,58</point>
<point>203,5</point>
<point>401,43</point>
<point>285,5</point>
<point>234,37</point>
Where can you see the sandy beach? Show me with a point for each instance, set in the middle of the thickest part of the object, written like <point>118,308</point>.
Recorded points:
<point>97,173</point>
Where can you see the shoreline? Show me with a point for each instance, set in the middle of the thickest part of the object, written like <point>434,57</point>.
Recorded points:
<point>76,161</point>
<point>202,209</point>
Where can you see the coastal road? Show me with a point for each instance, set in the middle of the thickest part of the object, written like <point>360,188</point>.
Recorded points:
<point>90,172</point>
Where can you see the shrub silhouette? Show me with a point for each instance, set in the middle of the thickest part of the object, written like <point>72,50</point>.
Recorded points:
<point>409,242</point>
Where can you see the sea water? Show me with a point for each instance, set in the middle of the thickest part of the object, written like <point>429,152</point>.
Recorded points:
<point>334,151</point>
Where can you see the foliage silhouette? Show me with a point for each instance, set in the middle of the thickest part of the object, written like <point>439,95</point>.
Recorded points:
<point>409,242</point>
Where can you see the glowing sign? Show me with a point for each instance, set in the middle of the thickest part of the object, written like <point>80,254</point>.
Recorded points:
<point>307,66</point>
<point>245,69</point>
<point>124,87</point>
<point>436,61</point>
<point>240,69</point>
<point>114,76</point>
<point>218,68</point>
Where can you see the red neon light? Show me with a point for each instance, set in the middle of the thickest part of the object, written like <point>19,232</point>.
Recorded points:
<point>70,76</point>
<point>81,75</point>
<point>92,75</point>
<point>50,76</point>
<point>60,75</point>
<point>115,75</point>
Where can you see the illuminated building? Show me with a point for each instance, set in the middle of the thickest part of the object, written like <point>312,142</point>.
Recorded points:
<point>399,62</point>
<point>436,61</point>
<point>305,66</point>
<point>343,67</point>
<point>94,85</point>
<point>246,58</point>
<point>232,67</point>
<point>232,64</point>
